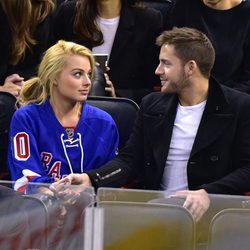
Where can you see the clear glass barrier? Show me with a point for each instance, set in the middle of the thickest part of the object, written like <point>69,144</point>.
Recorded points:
<point>42,219</point>
<point>125,219</point>
<point>125,207</point>
<point>121,194</point>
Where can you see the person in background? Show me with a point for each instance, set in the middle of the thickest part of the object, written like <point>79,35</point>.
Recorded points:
<point>227,24</point>
<point>192,139</point>
<point>24,36</point>
<point>123,30</point>
<point>56,132</point>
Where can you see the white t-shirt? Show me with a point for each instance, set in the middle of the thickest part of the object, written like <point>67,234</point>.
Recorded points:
<point>108,28</point>
<point>186,124</point>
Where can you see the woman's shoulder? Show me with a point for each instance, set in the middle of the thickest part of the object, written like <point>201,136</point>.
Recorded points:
<point>92,112</point>
<point>31,111</point>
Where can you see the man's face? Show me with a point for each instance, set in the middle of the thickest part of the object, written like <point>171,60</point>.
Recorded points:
<point>171,71</point>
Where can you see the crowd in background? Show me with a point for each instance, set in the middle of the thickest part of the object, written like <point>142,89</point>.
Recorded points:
<point>47,66</point>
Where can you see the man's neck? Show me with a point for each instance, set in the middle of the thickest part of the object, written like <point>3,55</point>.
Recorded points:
<point>222,5</point>
<point>194,95</point>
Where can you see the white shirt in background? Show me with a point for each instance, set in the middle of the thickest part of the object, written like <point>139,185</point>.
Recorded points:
<point>108,28</point>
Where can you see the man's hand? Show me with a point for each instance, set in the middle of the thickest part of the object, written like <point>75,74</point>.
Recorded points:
<point>72,179</point>
<point>197,202</point>
<point>13,85</point>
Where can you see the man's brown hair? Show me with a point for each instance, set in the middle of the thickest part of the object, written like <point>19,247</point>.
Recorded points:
<point>190,44</point>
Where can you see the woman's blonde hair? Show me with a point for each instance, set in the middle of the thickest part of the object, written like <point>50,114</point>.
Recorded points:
<point>38,89</point>
<point>23,17</point>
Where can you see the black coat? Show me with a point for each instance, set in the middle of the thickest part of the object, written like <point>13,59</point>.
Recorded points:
<point>220,158</point>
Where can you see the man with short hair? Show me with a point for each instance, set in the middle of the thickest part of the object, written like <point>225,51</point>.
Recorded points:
<point>192,136</point>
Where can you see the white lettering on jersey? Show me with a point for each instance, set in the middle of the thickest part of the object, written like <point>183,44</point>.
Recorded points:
<point>21,146</point>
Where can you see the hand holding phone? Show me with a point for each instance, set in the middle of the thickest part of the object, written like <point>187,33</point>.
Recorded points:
<point>102,61</point>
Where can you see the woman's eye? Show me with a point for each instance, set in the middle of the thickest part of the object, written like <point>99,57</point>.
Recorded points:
<point>78,74</point>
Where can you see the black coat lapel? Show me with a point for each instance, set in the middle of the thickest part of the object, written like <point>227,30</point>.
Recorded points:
<point>215,118</point>
<point>159,128</point>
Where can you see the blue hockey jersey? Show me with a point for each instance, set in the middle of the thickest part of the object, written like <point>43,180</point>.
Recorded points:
<point>41,149</point>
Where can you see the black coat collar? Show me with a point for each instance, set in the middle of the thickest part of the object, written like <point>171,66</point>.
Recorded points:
<point>160,116</point>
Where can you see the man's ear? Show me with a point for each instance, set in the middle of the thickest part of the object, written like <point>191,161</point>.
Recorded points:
<point>190,67</point>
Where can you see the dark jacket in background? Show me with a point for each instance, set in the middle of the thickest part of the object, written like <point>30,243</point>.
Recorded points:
<point>27,67</point>
<point>229,32</point>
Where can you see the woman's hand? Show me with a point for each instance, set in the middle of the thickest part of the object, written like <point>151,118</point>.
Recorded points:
<point>109,85</point>
<point>13,85</point>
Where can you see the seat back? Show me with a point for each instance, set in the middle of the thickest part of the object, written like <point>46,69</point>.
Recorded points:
<point>122,110</point>
<point>139,225</point>
<point>7,109</point>
<point>230,229</point>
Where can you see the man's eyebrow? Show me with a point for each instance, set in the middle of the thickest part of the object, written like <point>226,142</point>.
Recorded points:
<point>164,60</point>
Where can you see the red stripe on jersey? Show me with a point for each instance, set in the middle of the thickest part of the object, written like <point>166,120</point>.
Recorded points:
<point>22,189</point>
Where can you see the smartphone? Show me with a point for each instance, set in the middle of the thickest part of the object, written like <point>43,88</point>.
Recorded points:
<point>102,60</point>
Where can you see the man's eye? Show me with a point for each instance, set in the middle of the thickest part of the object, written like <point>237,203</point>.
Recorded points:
<point>166,63</point>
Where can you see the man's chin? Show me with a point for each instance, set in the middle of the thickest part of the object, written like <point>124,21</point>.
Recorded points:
<point>166,90</point>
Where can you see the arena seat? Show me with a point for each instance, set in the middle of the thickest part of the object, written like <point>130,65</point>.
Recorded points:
<point>123,111</point>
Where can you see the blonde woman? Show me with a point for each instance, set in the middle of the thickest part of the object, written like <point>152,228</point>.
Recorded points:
<point>56,132</point>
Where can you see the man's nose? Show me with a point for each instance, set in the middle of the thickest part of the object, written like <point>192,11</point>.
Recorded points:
<point>158,70</point>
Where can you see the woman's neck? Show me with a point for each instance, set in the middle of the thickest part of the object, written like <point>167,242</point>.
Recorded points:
<point>109,9</point>
<point>222,5</point>
<point>68,114</point>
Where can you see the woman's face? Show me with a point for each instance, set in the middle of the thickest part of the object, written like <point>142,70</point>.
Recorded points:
<point>73,83</point>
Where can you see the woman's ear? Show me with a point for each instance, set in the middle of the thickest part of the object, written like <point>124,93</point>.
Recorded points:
<point>54,82</point>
